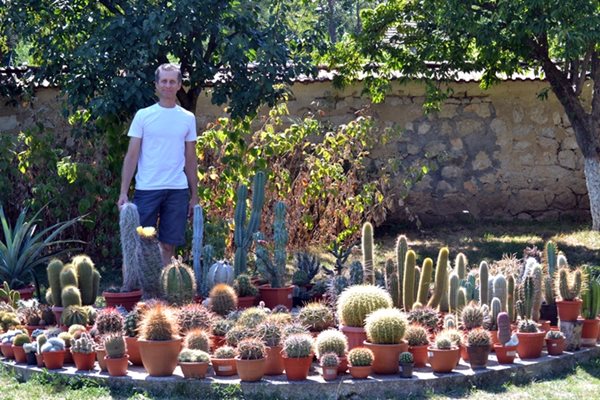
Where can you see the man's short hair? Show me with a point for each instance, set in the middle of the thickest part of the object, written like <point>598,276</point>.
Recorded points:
<point>168,67</point>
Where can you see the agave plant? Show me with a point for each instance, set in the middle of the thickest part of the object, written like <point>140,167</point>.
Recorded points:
<point>22,248</point>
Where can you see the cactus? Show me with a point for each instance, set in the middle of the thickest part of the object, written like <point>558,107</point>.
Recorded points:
<point>225,352</point>
<point>408,284</point>
<point>129,220</point>
<point>424,316</point>
<point>193,316</point>
<point>406,358</point>
<point>109,320</point>
<point>395,289</point>
<point>441,278</point>
<point>356,273</point>
<point>329,360</point>
<point>386,326</point>
<point>401,250</point>
<point>356,302</point>
<point>561,261</point>
<point>443,342</point>
<point>460,266</point>
<point>500,290</point>
<point>527,326</point>
<point>483,283</point>
<point>195,356</point>
<point>388,270</point>
<point>84,344</point>
<point>568,285</point>
<point>269,332</point>
<point>416,335</point>
<point>298,345</point>
<point>503,323</point>
<point>316,316</point>
<point>368,253</point>
<point>221,326</point>
<point>590,297</point>
<point>526,290</point>
<point>416,285</point>
<point>219,272</point>
<point>307,266</point>
<point>510,297</point>
<point>453,286</point>
<point>223,299</point>
<point>274,269</point>
<point>470,285</point>
<point>131,321</point>
<point>150,262</point>
<point>461,300</point>
<point>243,286</point>
<point>70,296</point>
<point>53,344</point>
<point>550,257</point>
<point>548,290</point>
<point>197,339</point>
<point>115,346</point>
<point>21,339</point>
<point>495,309</point>
<point>87,279</point>
<point>360,357</point>
<point>536,301</point>
<point>251,349</point>
<point>178,282</point>
<point>73,315</point>
<point>245,229</point>
<point>158,323</point>
<point>200,266</point>
<point>425,281</point>
<point>252,317</point>
<point>471,316</point>
<point>331,341</point>
<point>479,337</point>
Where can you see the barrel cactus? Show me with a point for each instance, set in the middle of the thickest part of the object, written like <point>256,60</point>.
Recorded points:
<point>223,299</point>
<point>356,302</point>
<point>360,357</point>
<point>220,272</point>
<point>178,282</point>
<point>298,345</point>
<point>331,341</point>
<point>386,326</point>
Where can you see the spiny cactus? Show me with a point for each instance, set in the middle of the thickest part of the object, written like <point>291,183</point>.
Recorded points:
<point>74,315</point>
<point>197,339</point>
<point>88,278</point>
<point>453,286</point>
<point>245,229</point>
<point>368,253</point>
<point>356,302</point>
<point>331,341</point>
<point>527,326</point>
<point>195,356</point>
<point>394,288</point>
<point>129,220</point>
<point>401,250</point>
<point>274,269</point>
<point>109,320</point>
<point>360,357</point>
<point>568,284</point>
<point>416,335</point>
<point>115,346</point>
<point>131,321</point>
<point>406,358</point>
<point>471,316</point>
<point>500,290</point>
<point>307,266</point>
<point>252,317</point>
<point>443,342</point>
<point>243,286</point>
<point>536,302</point>
<point>223,299</point>
<point>270,333</point>
<point>356,274</point>
<point>298,345</point>
<point>425,281</point>
<point>70,296</point>
<point>460,265</point>
<point>54,268</point>
<point>238,333</point>
<point>478,337</point>
<point>329,360</point>
<point>316,316</point>
<point>510,297</point>
<point>386,326</point>
<point>225,352</point>
<point>200,266</point>
<point>150,262</point>
<point>550,257</point>
<point>461,300</point>
<point>84,344</point>
<point>441,277</point>
<point>408,284</point>
<point>178,282</point>
<point>193,316</point>
<point>548,290</point>
<point>483,283</point>
<point>503,322</point>
<point>251,349</point>
<point>221,326</point>
<point>449,321</point>
<point>495,309</point>
<point>424,316</point>
<point>158,323</point>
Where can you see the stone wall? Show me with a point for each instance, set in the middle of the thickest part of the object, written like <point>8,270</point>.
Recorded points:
<point>505,153</point>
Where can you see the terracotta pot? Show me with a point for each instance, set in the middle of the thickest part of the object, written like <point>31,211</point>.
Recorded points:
<point>246,302</point>
<point>544,326</point>
<point>505,354</point>
<point>407,370</point>
<point>555,347</point>
<point>419,355</point>
<point>19,354</point>
<point>194,370</point>
<point>39,359</point>
<point>568,310</point>
<point>54,359</point>
<point>275,296</point>
<point>7,350</point>
<point>442,360</point>
<point>250,370</point>
<point>100,354</point>
<point>274,361</point>
<point>343,366</point>
<point>464,354</point>
<point>495,340</point>
<point>386,356</point>
<point>117,366</point>
<point>296,369</point>
<point>84,361</point>
<point>589,333</point>
<point>128,299</point>
<point>360,372</point>
<point>133,350</point>
<point>69,356</point>
<point>224,366</point>
<point>355,335</point>
<point>478,356</point>
<point>31,358</point>
<point>160,356</point>
<point>57,311</point>
<point>329,373</point>
<point>26,292</point>
<point>530,344</point>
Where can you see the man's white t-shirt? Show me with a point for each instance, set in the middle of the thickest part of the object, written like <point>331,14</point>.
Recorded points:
<point>164,132</point>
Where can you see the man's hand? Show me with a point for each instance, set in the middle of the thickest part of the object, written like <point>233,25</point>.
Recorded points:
<point>193,201</point>
<point>122,200</point>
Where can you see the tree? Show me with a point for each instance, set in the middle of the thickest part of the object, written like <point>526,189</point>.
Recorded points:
<point>557,39</point>
<point>103,54</point>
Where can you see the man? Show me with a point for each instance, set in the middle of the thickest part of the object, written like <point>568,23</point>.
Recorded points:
<point>162,146</point>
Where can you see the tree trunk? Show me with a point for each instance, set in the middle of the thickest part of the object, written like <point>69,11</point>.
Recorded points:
<point>592,181</point>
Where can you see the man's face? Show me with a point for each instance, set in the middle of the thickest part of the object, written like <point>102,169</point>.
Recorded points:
<point>167,85</point>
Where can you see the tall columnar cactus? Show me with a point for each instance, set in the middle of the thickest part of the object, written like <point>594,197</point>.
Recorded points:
<point>416,285</point>
<point>70,296</point>
<point>368,253</point>
<point>401,249</point>
<point>425,281</point>
<point>54,268</point>
<point>470,285</point>
<point>88,279</point>
<point>550,255</point>
<point>245,229</point>
<point>274,270</point>
<point>441,277</point>
<point>408,284</point>
<point>536,302</point>
<point>356,273</point>
<point>504,333</point>
<point>388,270</point>
<point>500,290</point>
<point>200,268</point>
<point>495,309</point>
<point>150,261</point>
<point>178,282</point>
<point>561,261</point>
<point>483,283</point>
<point>526,293</point>
<point>129,220</point>
<point>510,297</point>
<point>395,288</point>
<point>460,265</point>
<point>454,284</point>
<point>548,289</point>
<point>568,284</point>
<point>444,307</point>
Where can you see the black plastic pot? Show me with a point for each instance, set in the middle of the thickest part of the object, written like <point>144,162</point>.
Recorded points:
<point>548,313</point>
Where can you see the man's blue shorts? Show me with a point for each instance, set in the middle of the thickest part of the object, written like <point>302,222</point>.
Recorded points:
<point>168,208</point>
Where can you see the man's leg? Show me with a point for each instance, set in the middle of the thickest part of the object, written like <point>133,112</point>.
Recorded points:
<point>172,222</point>
<point>166,252</point>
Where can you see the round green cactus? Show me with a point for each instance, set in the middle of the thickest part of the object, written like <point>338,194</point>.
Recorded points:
<point>331,340</point>
<point>178,282</point>
<point>197,339</point>
<point>356,302</point>
<point>298,345</point>
<point>329,360</point>
<point>386,326</point>
<point>406,358</point>
<point>478,337</point>
<point>360,357</point>
<point>223,299</point>
<point>316,316</point>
